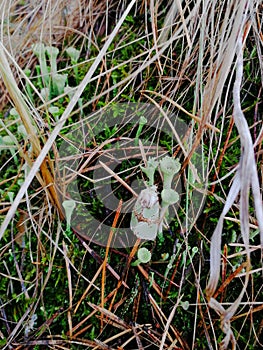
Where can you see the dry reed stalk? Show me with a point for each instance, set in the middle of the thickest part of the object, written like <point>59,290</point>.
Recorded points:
<point>245,178</point>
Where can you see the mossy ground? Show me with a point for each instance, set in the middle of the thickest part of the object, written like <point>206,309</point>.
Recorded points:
<point>51,272</point>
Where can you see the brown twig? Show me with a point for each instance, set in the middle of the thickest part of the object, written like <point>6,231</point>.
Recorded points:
<point>103,278</point>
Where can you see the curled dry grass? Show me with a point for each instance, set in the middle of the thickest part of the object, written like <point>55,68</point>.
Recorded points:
<point>191,51</point>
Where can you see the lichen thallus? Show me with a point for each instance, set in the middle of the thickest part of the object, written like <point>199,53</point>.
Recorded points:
<point>148,214</point>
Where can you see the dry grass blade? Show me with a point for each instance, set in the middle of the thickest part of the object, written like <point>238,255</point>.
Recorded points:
<point>225,283</point>
<point>112,271</point>
<point>69,288</point>
<point>165,322</point>
<point>216,241</point>
<point>104,265</point>
<point>112,173</point>
<point>18,100</point>
<point>224,55</point>
<point>177,105</point>
<point>154,284</point>
<point>88,288</point>
<point>169,320</point>
<point>138,341</point>
<point>46,178</point>
<point>109,315</point>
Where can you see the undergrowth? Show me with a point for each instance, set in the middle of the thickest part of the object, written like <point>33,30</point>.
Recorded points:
<point>60,287</point>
